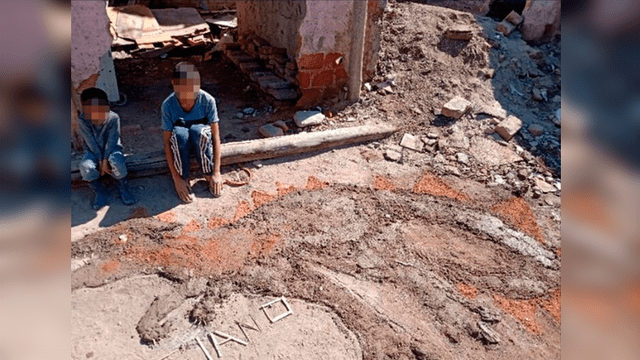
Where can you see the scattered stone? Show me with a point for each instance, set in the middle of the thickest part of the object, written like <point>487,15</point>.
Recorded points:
<point>536,94</point>
<point>544,186</point>
<point>417,111</point>
<point>558,185</point>
<point>489,153</point>
<point>487,333</point>
<point>505,27</point>
<point>486,73</point>
<point>456,107</point>
<point>308,118</point>
<point>462,158</point>
<point>270,130</point>
<point>392,155</point>
<point>509,127</point>
<point>452,170</point>
<point>282,125</point>
<point>459,32</point>
<point>494,110</point>
<point>248,111</point>
<point>523,174</point>
<point>368,87</point>
<point>458,140</point>
<point>123,238</point>
<point>548,202</point>
<point>488,315</point>
<point>499,180</point>
<point>536,130</point>
<point>514,18</point>
<point>556,99</point>
<point>558,113</point>
<point>257,164</point>
<point>439,158</point>
<point>489,131</point>
<point>240,115</point>
<point>411,142</point>
<point>432,135</point>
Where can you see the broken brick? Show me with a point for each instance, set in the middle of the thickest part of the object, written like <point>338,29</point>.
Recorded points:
<point>313,61</point>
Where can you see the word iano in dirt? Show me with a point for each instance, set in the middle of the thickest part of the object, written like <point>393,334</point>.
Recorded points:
<point>227,338</point>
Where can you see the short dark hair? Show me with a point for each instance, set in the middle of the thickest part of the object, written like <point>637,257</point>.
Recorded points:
<point>94,93</point>
<point>181,71</point>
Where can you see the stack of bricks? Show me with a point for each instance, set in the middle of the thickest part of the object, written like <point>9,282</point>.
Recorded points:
<point>267,65</point>
<point>320,76</point>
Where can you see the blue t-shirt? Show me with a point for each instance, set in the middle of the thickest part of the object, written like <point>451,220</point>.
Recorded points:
<point>204,108</point>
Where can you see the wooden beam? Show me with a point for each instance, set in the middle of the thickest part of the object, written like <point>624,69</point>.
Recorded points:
<point>153,163</point>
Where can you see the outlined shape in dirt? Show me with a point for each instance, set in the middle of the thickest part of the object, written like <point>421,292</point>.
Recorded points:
<point>281,316</point>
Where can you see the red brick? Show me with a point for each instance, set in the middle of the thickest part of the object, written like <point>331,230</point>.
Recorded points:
<point>310,97</point>
<point>331,92</point>
<point>304,79</point>
<point>341,76</point>
<point>323,78</point>
<point>313,61</point>
<point>330,60</point>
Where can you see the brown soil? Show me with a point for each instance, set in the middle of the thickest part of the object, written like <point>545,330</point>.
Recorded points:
<point>260,198</point>
<point>284,189</point>
<point>381,183</point>
<point>469,291</point>
<point>401,294</point>
<point>553,305</point>
<point>193,225</point>
<point>167,217</point>
<point>517,212</point>
<point>217,222</point>
<point>314,184</point>
<point>523,310</point>
<point>431,185</point>
<point>110,266</point>
<point>243,209</point>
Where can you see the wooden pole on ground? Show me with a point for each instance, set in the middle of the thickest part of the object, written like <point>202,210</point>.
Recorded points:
<point>139,165</point>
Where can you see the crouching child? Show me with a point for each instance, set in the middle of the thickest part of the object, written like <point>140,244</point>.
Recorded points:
<point>100,129</point>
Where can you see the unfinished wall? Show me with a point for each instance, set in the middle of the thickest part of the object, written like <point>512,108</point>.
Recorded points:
<point>373,32</point>
<point>90,40</point>
<point>324,54</point>
<point>276,21</point>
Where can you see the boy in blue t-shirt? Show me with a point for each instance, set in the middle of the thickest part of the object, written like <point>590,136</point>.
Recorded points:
<point>190,124</point>
<point>100,129</point>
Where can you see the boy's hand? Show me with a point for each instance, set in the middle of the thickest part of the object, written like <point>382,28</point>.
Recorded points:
<point>183,189</point>
<point>104,168</point>
<point>215,184</point>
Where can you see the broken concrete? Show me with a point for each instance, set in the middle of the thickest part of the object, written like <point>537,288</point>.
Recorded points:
<point>456,107</point>
<point>411,142</point>
<point>509,127</point>
<point>270,130</point>
<point>308,118</point>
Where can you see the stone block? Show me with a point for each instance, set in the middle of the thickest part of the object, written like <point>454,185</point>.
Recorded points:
<point>282,125</point>
<point>508,127</point>
<point>412,142</point>
<point>514,18</point>
<point>459,32</point>
<point>308,118</point>
<point>456,107</point>
<point>505,27</point>
<point>270,130</point>
<point>392,155</point>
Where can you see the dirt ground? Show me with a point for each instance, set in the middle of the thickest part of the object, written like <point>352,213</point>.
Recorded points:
<point>430,257</point>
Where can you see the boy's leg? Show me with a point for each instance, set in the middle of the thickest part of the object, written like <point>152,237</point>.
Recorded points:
<point>90,173</point>
<point>200,136</point>
<point>119,172</point>
<point>181,150</point>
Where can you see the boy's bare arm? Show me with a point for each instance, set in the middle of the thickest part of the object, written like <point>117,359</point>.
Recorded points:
<point>216,177</point>
<point>181,185</point>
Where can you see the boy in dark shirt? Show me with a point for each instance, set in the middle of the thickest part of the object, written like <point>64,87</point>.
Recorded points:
<point>100,129</point>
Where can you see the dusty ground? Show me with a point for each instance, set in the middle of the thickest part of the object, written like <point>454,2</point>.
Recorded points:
<point>426,258</point>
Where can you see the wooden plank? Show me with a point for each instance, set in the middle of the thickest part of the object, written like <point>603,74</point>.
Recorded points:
<point>153,163</point>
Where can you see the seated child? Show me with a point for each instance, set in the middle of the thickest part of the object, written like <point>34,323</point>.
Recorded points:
<point>190,124</point>
<point>100,129</point>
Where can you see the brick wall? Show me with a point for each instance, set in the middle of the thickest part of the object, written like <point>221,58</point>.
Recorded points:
<point>320,76</point>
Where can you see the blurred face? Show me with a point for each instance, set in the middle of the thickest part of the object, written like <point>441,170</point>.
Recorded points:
<point>187,88</point>
<point>96,111</point>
